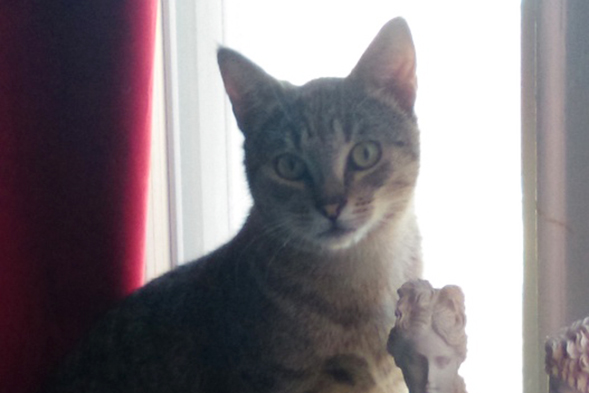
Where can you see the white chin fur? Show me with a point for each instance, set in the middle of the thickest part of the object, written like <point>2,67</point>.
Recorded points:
<point>343,242</point>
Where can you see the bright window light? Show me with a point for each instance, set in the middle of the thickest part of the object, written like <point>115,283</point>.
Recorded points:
<point>468,105</point>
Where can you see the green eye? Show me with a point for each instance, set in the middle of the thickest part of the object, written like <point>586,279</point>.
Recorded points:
<point>289,167</point>
<point>365,155</point>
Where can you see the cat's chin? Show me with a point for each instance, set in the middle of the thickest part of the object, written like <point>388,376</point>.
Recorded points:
<point>338,239</point>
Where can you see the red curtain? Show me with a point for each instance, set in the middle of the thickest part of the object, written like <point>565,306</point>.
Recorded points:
<point>75,97</point>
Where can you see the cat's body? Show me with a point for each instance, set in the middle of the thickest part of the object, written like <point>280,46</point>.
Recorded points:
<point>303,298</point>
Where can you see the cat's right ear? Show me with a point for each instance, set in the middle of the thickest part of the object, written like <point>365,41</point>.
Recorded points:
<point>248,86</point>
<point>387,67</point>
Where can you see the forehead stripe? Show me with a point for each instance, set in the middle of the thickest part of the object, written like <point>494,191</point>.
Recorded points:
<point>338,128</point>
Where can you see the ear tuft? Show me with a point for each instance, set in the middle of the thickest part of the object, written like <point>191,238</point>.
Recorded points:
<point>388,65</point>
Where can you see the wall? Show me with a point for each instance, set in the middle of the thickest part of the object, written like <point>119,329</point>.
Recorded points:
<point>555,102</point>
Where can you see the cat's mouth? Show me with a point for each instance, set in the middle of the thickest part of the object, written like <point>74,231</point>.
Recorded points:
<point>336,232</point>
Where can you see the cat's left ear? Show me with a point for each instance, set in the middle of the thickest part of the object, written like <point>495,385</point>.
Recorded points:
<point>249,87</point>
<point>388,65</point>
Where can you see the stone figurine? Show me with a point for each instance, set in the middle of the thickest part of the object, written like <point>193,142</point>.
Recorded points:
<point>567,359</point>
<point>428,341</point>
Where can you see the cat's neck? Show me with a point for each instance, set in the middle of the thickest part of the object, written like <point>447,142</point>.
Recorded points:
<point>385,258</point>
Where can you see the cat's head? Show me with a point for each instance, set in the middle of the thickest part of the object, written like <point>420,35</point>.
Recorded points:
<point>333,160</point>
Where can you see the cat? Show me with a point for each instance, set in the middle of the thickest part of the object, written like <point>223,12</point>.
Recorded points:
<point>303,298</point>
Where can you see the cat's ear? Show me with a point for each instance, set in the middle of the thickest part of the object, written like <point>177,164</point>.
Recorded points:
<point>249,87</point>
<point>388,65</point>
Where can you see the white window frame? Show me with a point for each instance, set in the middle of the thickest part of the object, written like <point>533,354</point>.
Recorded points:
<point>199,197</point>
<point>551,143</point>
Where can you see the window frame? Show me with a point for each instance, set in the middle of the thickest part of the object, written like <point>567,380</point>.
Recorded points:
<point>552,62</point>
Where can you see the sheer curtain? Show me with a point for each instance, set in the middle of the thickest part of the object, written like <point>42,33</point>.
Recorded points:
<point>75,98</point>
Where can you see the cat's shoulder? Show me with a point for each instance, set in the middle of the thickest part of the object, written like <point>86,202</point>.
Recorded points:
<point>189,279</point>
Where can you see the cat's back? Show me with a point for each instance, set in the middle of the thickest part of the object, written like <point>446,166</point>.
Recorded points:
<point>218,325</point>
<point>167,336</point>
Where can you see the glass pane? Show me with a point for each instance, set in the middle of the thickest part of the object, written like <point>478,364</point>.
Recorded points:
<point>469,193</point>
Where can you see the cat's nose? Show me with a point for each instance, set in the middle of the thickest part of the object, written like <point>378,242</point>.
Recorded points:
<point>332,210</point>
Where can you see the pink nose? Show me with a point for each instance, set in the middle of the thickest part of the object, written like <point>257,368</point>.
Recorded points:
<point>332,210</point>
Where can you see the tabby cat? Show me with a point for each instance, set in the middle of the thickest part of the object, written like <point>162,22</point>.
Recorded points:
<point>303,298</point>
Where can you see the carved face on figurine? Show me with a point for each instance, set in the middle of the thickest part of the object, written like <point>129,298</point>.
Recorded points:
<point>428,341</point>
<point>429,364</point>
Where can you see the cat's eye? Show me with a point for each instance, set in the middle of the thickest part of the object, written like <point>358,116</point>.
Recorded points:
<point>365,155</point>
<point>289,167</point>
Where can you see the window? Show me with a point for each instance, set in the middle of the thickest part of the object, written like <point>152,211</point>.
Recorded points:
<point>469,192</point>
